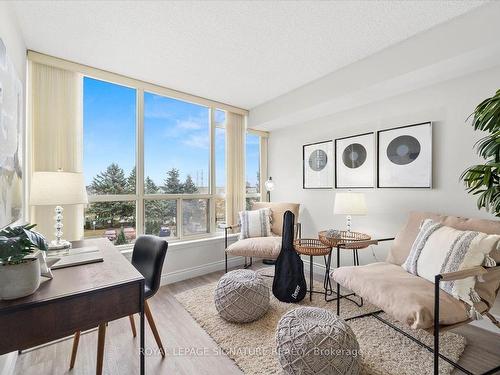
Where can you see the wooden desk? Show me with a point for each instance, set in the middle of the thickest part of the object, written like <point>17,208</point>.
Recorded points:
<point>76,299</point>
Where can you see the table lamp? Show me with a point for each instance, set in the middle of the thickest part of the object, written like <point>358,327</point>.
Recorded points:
<point>56,189</point>
<point>350,204</point>
<point>269,185</point>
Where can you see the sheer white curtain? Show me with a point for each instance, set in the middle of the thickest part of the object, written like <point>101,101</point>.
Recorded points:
<point>263,168</point>
<point>235,167</point>
<point>55,119</point>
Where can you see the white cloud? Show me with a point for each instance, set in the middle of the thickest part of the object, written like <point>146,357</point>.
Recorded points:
<point>197,141</point>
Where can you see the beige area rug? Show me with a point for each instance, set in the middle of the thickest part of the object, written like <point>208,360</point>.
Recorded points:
<point>252,345</point>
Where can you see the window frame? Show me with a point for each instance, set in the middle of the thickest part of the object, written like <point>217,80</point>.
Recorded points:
<point>140,196</point>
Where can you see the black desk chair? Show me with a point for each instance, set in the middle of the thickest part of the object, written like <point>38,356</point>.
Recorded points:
<point>148,257</point>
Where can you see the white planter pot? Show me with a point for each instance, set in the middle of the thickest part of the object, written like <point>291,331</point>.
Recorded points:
<point>19,280</point>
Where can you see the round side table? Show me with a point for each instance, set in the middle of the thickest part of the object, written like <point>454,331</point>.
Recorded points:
<point>343,240</point>
<point>313,247</point>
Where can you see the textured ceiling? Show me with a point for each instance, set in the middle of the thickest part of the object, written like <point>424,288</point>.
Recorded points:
<point>241,53</point>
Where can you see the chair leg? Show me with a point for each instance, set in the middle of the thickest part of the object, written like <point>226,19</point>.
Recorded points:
<point>101,337</point>
<point>152,324</point>
<point>132,325</point>
<point>76,340</point>
<point>225,255</point>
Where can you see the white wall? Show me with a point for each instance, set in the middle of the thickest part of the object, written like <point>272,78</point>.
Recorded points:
<point>447,105</point>
<point>16,49</point>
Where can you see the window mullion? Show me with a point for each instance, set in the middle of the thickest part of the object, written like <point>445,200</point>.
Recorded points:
<point>213,187</point>
<point>139,159</point>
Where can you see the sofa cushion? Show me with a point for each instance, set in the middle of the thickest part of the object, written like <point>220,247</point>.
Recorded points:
<point>278,209</point>
<point>401,246</point>
<point>406,297</point>
<point>259,247</point>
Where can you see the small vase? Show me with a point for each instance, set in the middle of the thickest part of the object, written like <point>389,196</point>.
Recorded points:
<point>19,280</point>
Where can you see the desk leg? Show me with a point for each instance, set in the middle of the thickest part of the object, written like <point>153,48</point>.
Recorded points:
<point>141,328</point>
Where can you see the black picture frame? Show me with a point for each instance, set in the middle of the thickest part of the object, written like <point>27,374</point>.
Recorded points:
<point>304,165</point>
<point>430,123</point>
<point>335,160</point>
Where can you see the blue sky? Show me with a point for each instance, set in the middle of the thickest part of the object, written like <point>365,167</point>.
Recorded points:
<point>176,135</point>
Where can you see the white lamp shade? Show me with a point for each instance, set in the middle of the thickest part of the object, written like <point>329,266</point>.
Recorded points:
<point>350,204</point>
<point>57,188</point>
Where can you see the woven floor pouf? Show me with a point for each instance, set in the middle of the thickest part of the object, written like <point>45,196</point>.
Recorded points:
<point>311,341</point>
<point>241,296</point>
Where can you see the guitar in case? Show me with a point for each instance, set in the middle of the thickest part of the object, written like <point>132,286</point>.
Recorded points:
<point>289,283</point>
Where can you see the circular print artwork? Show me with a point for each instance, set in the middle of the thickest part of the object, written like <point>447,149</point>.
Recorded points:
<point>354,155</point>
<point>403,149</point>
<point>318,160</point>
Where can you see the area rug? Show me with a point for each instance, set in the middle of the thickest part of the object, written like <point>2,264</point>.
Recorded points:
<point>253,347</point>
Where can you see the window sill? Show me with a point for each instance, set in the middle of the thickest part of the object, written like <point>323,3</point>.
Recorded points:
<point>176,245</point>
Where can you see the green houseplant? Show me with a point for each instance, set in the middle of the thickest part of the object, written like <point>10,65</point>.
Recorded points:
<point>19,273</point>
<point>483,180</point>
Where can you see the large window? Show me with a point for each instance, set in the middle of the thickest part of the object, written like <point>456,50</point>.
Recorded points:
<point>155,164</point>
<point>109,159</point>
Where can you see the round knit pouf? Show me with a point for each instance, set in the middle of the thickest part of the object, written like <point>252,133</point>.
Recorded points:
<point>241,296</point>
<point>311,340</point>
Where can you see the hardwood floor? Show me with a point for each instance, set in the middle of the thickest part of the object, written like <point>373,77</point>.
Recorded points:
<point>186,345</point>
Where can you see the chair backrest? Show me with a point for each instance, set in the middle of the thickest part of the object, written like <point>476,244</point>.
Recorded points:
<point>278,209</point>
<point>148,257</point>
<point>404,240</point>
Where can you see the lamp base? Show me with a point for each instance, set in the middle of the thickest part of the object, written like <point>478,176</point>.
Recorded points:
<point>60,247</point>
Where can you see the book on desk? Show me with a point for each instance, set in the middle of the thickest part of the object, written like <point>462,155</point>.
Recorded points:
<point>75,257</point>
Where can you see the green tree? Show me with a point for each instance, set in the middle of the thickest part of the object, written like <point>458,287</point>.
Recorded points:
<point>111,181</point>
<point>121,239</point>
<point>150,187</point>
<point>172,184</point>
<point>131,182</point>
<point>189,186</point>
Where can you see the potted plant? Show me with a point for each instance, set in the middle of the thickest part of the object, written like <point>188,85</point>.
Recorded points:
<point>483,180</point>
<point>19,267</point>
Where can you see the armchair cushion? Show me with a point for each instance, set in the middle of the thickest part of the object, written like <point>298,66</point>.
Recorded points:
<point>278,209</point>
<point>403,242</point>
<point>255,223</point>
<point>258,247</point>
<point>406,297</point>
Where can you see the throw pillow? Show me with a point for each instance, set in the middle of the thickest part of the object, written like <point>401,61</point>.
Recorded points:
<point>441,249</point>
<point>255,223</point>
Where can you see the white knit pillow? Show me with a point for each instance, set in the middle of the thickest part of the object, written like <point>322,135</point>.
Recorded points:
<point>441,249</point>
<point>255,223</point>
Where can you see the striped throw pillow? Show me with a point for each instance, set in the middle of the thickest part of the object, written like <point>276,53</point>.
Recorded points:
<point>255,223</point>
<point>442,249</point>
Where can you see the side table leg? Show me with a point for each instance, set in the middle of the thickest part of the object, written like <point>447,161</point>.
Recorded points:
<point>310,277</point>
<point>338,285</point>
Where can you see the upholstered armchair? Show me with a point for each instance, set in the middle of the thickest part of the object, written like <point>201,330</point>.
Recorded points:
<point>263,247</point>
<point>415,301</point>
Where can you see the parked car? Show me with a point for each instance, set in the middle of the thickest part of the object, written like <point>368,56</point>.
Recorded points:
<point>164,232</point>
<point>110,234</point>
<point>129,233</point>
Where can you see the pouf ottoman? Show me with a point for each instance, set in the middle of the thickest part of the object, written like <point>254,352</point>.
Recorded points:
<point>241,296</point>
<point>311,340</point>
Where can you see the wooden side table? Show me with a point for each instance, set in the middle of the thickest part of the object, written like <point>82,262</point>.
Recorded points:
<point>344,240</point>
<point>313,247</point>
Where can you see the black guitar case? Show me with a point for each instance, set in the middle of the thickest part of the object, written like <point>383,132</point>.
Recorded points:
<point>289,283</point>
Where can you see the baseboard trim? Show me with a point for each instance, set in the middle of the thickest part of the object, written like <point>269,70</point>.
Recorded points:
<point>203,269</point>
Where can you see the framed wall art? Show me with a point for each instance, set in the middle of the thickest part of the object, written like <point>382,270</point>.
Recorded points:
<point>355,161</point>
<point>317,165</point>
<point>404,157</point>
